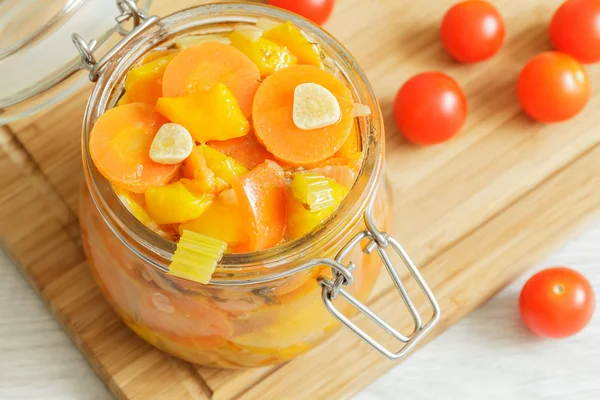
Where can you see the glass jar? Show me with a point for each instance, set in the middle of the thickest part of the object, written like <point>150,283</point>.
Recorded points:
<point>260,308</point>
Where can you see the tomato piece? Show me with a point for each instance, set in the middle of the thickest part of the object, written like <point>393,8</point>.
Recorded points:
<point>430,108</point>
<point>553,87</point>
<point>556,302</point>
<point>317,11</point>
<point>472,31</point>
<point>262,197</point>
<point>575,30</point>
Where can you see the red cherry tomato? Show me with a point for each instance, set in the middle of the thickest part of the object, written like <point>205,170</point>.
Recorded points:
<point>472,31</point>
<point>575,29</point>
<point>553,87</point>
<point>318,11</point>
<point>430,108</point>
<point>557,302</point>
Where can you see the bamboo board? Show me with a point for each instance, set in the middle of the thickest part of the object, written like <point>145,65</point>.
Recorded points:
<point>474,212</point>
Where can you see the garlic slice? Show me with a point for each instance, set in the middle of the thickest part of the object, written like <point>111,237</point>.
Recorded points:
<point>253,33</point>
<point>360,110</point>
<point>171,145</point>
<point>314,107</point>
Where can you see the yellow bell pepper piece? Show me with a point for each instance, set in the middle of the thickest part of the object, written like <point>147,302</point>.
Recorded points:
<point>300,219</point>
<point>210,115</point>
<point>286,34</point>
<point>220,221</point>
<point>134,203</point>
<point>268,56</point>
<point>144,83</point>
<point>225,168</point>
<point>176,203</point>
<point>196,257</point>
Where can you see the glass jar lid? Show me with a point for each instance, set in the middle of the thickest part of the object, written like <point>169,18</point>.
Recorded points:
<point>39,66</point>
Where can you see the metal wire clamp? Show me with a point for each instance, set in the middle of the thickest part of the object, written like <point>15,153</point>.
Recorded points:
<point>129,11</point>
<point>332,288</point>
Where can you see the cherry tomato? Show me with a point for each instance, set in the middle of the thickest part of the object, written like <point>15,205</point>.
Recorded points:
<point>575,29</point>
<point>318,11</point>
<point>553,87</point>
<point>430,108</point>
<point>472,31</point>
<point>557,302</point>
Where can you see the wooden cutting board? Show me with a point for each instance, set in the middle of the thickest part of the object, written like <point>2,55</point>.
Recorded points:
<point>473,213</point>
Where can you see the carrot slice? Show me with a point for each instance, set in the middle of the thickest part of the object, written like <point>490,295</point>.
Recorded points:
<point>262,197</point>
<point>246,150</point>
<point>120,145</point>
<point>201,67</point>
<point>275,128</point>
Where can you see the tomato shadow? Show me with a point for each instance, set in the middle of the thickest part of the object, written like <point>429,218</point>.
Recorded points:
<point>393,138</point>
<point>497,323</point>
<point>527,43</point>
<point>421,44</point>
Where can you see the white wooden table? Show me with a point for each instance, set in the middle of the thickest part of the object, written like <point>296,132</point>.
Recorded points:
<point>489,355</point>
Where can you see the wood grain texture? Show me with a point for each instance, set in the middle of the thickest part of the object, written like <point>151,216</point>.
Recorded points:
<point>474,212</point>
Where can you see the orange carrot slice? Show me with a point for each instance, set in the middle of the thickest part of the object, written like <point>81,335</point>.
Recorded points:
<point>246,150</point>
<point>275,128</point>
<point>201,67</point>
<point>262,197</point>
<point>120,145</point>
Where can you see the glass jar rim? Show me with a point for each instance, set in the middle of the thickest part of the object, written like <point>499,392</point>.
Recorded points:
<point>158,251</point>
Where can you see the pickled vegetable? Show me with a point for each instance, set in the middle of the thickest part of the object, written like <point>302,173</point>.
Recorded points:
<point>144,83</point>
<point>247,150</point>
<point>120,145</point>
<point>222,220</point>
<point>171,145</point>
<point>288,35</point>
<point>273,116</point>
<point>201,67</point>
<point>268,56</point>
<point>196,169</point>
<point>262,197</point>
<point>180,168</point>
<point>225,168</point>
<point>300,219</point>
<point>209,115</point>
<point>175,203</point>
<point>314,191</point>
<point>136,208</point>
<point>196,257</point>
